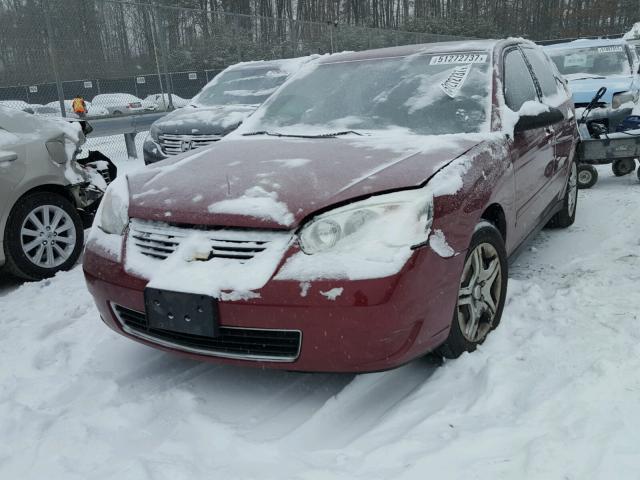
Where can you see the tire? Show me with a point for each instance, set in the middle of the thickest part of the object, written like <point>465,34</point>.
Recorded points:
<point>52,250</point>
<point>117,112</point>
<point>565,217</point>
<point>487,242</point>
<point>587,175</point>
<point>623,167</point>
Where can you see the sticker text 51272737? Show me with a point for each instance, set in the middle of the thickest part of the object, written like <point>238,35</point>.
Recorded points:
<point>458,58</point>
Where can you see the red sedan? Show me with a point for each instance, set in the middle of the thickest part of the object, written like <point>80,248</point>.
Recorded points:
<point>361,218</point>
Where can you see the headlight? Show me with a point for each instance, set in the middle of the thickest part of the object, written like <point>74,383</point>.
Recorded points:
<point>395,219</point>
<point>621,98</point>
<point>113,216</point>
<point>154,132</point>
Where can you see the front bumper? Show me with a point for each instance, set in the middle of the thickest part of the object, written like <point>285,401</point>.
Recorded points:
<point>374,324</point>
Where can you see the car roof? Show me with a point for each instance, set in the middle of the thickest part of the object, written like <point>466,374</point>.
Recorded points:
<point>288,64</point>
<point>405,50</point>
<point>587,43</point>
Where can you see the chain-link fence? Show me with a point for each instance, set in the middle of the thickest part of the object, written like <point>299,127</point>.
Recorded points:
<point>130,58</point>
<point>54,50</point>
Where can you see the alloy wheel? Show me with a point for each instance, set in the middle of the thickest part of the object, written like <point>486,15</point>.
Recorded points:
<point>480,291</point>
<point>48,236</point>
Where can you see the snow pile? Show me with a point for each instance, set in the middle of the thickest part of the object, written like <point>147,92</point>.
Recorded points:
<point>333,293</point>
<point>258,203</point>
<point>438,244</point>
<point>552,394</point>
<point>634,33</point>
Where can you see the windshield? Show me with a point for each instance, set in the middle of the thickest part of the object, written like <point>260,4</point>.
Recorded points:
<point>426,94</point>
<point>590,62</point>
<point>245,86</point>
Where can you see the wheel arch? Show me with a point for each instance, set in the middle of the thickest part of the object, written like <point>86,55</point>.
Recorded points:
<point>495,214</point>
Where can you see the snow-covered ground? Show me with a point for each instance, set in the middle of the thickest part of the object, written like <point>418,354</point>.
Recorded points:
<point>553,393</point>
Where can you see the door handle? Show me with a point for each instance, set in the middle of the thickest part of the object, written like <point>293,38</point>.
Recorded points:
<point>8,156</point>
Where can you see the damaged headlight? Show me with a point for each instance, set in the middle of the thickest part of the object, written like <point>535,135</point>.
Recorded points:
<point>394,219</point>
<point>113,216</point>
<point>621,98</point>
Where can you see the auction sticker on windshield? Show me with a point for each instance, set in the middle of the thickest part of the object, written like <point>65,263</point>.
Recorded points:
<point>458,58</point>
<point>455,80</point>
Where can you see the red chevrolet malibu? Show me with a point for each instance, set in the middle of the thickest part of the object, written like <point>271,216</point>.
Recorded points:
<point>361,218</point>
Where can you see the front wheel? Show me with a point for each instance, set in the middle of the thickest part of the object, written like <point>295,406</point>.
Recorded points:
<point>587,176</point>
<point>481,294</point>
<point>43,236</point>
<point>567,215</point>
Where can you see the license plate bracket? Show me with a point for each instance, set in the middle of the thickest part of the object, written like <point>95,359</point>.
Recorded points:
<point>182,312</point>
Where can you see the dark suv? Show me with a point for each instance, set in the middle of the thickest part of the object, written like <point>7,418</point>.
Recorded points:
<point>219,108</point>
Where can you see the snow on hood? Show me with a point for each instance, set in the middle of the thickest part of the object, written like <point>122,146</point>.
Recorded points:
<point>276,183</point>
<point>218,120</point>
<point>585,86</point>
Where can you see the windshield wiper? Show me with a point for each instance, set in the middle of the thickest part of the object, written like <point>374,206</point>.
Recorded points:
<point>321,135</point>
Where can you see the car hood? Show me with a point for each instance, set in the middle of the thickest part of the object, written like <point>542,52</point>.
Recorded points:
<point>276,183</point>
<point>218,120</point>
<point>584,89</point>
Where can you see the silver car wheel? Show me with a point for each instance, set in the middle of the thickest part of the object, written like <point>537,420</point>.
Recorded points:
<point>48,236</point>
<point>572,186</point>
<point>480,292</point>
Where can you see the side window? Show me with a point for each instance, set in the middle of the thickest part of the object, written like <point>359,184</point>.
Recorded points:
<point>542,70</point>
<point>518,84</point>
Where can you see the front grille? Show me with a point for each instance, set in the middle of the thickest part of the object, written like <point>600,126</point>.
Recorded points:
<point>175,144</point>
<point>233,342</point>
<point>159,240</point>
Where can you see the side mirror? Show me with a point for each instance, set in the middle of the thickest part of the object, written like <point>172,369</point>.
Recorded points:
<point>532,118</point>
<point>29,110</point>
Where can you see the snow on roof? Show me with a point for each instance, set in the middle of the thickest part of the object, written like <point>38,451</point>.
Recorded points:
<point>404,50</point>
<point>634,33</point>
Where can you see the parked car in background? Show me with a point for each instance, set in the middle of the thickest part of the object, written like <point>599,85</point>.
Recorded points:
<point>45,194</point>
<point>44,110</point>
<point>160,101</point>
<point>118,103</point>
<point>92,109</point>
<point>219,108</point>
<point>589,65</point>
<point>15,104</point>
<point>341,228</point>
